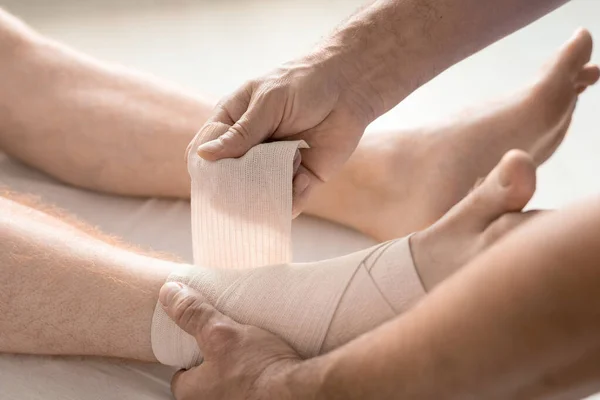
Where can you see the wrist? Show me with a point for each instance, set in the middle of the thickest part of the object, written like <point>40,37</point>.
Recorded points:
<point>321,378</point>
<point>308,380</point>
<point>381,55</point>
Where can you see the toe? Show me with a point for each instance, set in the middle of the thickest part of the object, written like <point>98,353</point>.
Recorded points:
<point>508,188</point>
<point>588,76</point>
<point>516,175</point>
<point>577,51</point>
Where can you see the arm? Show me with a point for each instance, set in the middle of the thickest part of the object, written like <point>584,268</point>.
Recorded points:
<point>367,66</point>
<point>395,46</point>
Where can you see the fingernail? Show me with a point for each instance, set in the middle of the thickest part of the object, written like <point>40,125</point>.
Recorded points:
<point>168,291</point>
<point>213,147</point>
<point>300,184</point>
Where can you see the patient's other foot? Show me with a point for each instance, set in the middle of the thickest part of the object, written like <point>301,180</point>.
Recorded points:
<point>486,214</point>
<point>400,182</point>
<point>550,102</point>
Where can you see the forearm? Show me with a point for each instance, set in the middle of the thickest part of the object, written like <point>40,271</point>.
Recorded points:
<point>391,48</point>
<point>522,312</point>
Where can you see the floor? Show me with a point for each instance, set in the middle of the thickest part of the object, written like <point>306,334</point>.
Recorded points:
<point>211,47</point>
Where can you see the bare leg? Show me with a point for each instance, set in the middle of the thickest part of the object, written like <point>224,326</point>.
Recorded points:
<point>64,290</point>
<point>527,326</point>
<point>106,128</point>
<point>92,124</point>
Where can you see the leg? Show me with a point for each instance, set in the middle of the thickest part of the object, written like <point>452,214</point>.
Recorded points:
<point>430,169</point>
<point>64,290</point>
<point>92,124</point>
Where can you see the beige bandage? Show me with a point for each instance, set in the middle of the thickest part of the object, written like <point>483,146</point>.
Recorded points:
<point>315,307</point>
<point>241,208</point>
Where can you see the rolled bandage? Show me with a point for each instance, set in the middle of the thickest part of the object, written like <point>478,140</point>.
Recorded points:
<point>241,218</point>
<point>241,208</point>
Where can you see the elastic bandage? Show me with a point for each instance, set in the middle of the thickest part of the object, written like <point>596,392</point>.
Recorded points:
<point>241,229</point>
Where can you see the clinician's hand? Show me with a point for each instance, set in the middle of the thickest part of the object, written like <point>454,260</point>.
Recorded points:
<point>307,99</point>
<point>240,361</point>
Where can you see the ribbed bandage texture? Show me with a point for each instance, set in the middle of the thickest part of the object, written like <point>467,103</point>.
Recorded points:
<point>241,227</point>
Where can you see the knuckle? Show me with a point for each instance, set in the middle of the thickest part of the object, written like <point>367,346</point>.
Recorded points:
<point>252,334</point>
<point>272,90</point>
<point>221,331</point>
<point>240,129</point>
<point>179,308</point>
<point>242,94</point>
<point>226,101</point>
<point>222,104</point>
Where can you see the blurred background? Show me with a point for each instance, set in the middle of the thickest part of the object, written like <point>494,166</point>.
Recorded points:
<point>211,47</point>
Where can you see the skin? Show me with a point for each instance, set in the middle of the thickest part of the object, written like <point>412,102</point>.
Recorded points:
<point>125,277</point>
<point>79,102</point>
<point>368,65</point>
<point>254,115</point>
<point>89,284</point>
<point>452,154</point>
<point>538,284</point>
<point>111,282</point>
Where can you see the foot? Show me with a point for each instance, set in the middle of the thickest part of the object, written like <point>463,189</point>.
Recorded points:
<point>551,100</point>
<point>486,214</point>
<point>397,183</point>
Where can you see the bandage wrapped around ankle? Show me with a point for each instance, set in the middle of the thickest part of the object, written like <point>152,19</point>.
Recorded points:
<point>241,218</point>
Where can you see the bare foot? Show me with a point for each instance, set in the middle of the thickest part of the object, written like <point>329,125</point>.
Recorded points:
<point>397,183</point>
<point>486,214</point>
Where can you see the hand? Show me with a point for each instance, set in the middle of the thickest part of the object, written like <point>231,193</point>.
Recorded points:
<point>307,99</point>
<point>240,361</point>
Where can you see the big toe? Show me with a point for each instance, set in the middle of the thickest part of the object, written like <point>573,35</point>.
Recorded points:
<point>508,188</point>
<point>576,52</point>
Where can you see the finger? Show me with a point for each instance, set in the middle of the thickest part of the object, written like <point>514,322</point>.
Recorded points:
<point>214,332</point>
<point>302,185</point>
<point>232,107</point>
<point>186,307</point>
<point>253,127</point>
<point>182,384</point>
<point>227,111</point>
<point>210,131</point>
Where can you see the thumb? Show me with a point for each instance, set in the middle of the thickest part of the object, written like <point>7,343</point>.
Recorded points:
<point>192,313</point>
<point>253,127</point>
